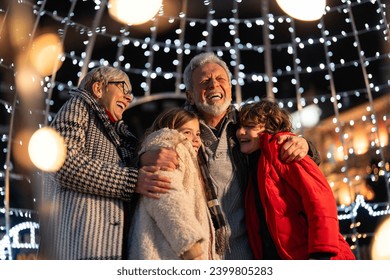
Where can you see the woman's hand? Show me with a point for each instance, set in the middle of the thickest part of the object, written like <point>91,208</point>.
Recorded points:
<point>150,183</point>
<point>164,158</point>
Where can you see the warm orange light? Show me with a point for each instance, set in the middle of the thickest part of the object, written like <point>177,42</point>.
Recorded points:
<point>360,145</point>
<point>45,54</point>
<point>20,148</point>
<point>133,12</point>
<point>28,83</point>
<point>383,135</point>
<point>47,149</point>
<point>344,196</point>
<point>339,153</point>
<point>360,140</point>
<point>21,22</point>
<point>307,10</point>
<point>381,242</point>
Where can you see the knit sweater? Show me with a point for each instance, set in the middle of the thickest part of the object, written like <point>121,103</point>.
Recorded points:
<point>228,169</point>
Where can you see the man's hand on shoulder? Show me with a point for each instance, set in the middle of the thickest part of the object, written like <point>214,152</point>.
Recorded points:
<point>293,147</point>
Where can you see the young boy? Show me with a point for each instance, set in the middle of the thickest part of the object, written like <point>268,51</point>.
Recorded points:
<point>290,209</point>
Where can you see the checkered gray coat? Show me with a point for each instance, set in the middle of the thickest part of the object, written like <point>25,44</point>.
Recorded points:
<point>85,201</point>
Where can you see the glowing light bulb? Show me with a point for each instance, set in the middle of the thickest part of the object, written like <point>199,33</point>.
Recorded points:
<point>28,83</point>
<point>133,12</point>
<point>45,55</point>
<point>360,141</point>
<point>344,196</point>
<point>47,149</point>
<point>307,10</point>
<point>308,117</point>
<point>381,242</point>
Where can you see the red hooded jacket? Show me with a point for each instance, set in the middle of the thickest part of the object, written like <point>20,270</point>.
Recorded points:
<point>299,207</point>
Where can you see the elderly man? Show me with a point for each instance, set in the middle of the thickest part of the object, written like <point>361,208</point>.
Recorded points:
<point>209,93</point>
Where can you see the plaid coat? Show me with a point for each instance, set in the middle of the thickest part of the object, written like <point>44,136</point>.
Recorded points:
<point>83,211</point>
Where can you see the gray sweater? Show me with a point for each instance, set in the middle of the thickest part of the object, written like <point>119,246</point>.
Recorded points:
<point>228,171</point>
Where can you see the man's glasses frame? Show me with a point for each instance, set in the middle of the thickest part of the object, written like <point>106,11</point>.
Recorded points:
<point>123,87</point>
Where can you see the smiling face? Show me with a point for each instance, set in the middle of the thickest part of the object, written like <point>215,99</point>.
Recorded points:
<point>258,117</point>
<point>248,135</point>
<point>114,96</point>
<point>211,92</point>
<point>191,131</point>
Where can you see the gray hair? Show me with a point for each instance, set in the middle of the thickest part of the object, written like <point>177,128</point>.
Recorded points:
<point>199,60</point>
<point>103,74</point>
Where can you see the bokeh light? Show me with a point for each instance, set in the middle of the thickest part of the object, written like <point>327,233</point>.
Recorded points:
<point>45,54</point>
<point>27,81</point>
<point>133,12</point>
<point>303,9</point>
<point>344,195</point>
<point>360,140</point>
<point>20,149</point>
<point>309,116</point>
<point>381,242</point>
<point>47,149</point>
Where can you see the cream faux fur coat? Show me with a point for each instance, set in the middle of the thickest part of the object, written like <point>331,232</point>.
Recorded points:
<point>165,228</point>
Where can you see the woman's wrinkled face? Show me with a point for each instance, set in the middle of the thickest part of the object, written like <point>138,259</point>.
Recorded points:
<point>116,98</point>
<point>248,135</point>
<point>191,131</point>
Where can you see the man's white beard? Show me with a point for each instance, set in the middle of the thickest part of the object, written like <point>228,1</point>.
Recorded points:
<point>214,110</point>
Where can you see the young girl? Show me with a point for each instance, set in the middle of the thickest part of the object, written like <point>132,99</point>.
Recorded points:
<point>178,224</point>
<point>290,209</point>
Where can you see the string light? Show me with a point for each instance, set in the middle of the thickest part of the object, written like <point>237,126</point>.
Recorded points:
<point>226,35</point>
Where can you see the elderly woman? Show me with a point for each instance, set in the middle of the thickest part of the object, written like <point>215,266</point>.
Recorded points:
<point>85,211</point>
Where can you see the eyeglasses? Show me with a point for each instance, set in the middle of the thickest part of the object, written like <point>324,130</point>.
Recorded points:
<point>123,87</point>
